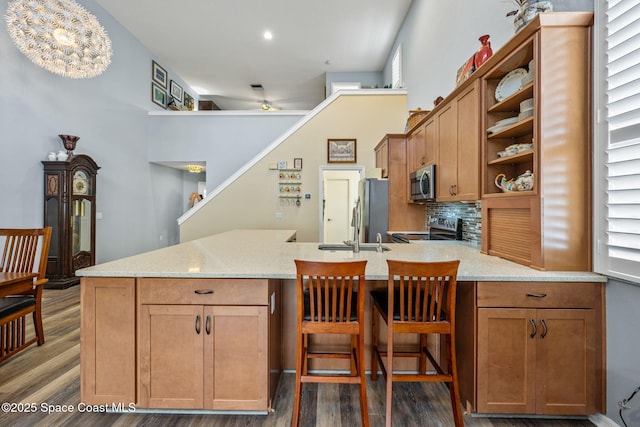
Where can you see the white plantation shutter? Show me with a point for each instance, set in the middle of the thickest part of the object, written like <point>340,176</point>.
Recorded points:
<point>623,145</point>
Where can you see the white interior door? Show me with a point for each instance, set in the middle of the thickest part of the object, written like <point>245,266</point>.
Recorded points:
<point>340,191</point>
<point>337,220</point>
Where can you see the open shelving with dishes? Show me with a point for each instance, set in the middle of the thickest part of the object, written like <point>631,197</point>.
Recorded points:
<point>510,148</point>
<point>536,145</point>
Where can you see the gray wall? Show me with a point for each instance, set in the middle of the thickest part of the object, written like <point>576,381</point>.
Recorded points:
<point>139,202</point>
<point>368,80</point>
<point>439,36</point>
<point>225,142</point>
<point>623,349</point>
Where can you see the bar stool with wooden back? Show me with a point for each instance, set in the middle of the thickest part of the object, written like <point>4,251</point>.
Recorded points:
<point>330,300</point>
<point>420,298</point>
<point>22,248</point>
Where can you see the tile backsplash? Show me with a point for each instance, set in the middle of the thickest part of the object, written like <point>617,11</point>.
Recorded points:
<point>470,213</point>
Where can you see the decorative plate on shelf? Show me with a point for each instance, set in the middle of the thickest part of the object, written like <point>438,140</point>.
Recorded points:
<point>510,84</point>
<point>502,124</point>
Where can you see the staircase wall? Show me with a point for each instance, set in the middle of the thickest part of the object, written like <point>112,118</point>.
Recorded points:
<point>249,199</point>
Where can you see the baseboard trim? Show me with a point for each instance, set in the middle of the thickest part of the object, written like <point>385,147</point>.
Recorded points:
<point>602,420</point>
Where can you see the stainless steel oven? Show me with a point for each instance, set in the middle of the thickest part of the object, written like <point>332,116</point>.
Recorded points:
<point>440,228</point>
<point>422,184</point>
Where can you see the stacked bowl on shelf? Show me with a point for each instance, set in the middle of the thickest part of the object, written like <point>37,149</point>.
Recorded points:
<point>526,109</point>
<point>528,78</point>
<point>526,106</point>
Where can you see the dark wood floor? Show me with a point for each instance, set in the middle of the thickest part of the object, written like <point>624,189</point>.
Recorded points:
<point>49,375</point>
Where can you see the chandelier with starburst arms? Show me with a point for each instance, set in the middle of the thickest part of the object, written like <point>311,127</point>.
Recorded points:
<point>60,36</point>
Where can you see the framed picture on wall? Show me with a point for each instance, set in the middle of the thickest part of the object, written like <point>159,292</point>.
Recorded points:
<point>341,150</point>
<point>297,163</point>
<point>158,95</point>
<point>159,74</point>
<point>176,91</point>
<point>188,101</point>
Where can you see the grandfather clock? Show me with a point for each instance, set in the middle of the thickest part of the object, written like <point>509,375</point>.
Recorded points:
<point>70,209</point>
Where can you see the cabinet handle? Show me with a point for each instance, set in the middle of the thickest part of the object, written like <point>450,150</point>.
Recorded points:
<point>535,328</point>
<point>207,325</point>
<point>451,190</point>
<point>203,291</point>
<point>537,295</point>
<point>544,325</point>
<point>455,189</point>
<point>198,324</point>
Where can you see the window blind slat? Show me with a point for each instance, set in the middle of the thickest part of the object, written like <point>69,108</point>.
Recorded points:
<point>622,43</point>
<point>623,211</point>
<point>617,11</point>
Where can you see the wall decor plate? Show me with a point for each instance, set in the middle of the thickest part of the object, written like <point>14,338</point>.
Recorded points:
<point>510,84</point>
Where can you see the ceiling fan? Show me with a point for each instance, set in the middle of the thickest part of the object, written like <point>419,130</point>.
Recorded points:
<point>242,103</point>
<point>266,106</point>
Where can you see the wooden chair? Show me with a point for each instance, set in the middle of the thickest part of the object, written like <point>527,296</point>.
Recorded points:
<point>330,300</point>
<point>22,247</point>
<point>420,299</point>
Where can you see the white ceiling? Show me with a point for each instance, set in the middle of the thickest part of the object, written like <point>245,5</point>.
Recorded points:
<point>217,46</point>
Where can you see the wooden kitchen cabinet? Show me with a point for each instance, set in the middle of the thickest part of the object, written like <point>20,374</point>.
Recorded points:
<point>457,131</point>
<point>402,214</point>
<point>382,157</point>
<point>204,345</point>
<point>539,348</point>
<point>416,150</point>
<point>209,357</point>
<point>107,340</point>
<point>421,145</point>
<point>181,343</point>
<point>171,356</point>
<point>556,212</point>
<point>526,367</point>
<point>430,142</point>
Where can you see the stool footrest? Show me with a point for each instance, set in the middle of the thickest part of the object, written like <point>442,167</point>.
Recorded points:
<point>339,379</point>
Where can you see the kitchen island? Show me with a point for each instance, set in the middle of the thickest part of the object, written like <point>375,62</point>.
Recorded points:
<point>209,325</point>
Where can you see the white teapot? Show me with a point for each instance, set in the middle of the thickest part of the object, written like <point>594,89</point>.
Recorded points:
<point>524,182</point>
<point>62,155</point>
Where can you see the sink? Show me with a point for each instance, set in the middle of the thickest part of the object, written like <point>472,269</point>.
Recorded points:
<point>343,247</point>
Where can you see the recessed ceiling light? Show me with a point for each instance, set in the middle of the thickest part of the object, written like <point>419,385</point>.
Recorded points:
<point>267,35</point>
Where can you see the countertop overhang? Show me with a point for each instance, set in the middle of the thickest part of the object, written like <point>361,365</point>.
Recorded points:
<point>269,254</point>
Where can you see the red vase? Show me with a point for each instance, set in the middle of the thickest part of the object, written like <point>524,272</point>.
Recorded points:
<point>484,52</point>
<point>69,142</point>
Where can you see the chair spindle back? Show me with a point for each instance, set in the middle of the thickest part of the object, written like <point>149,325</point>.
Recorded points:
<point>21,250</point>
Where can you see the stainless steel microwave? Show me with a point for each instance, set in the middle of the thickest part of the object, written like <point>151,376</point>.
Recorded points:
<point>422,184</point>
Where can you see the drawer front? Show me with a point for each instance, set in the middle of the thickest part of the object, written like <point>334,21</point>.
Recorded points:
<point>538,294</point>
<point>203,291</point>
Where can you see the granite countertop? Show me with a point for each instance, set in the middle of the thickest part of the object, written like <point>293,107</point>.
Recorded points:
<point>270,254</point>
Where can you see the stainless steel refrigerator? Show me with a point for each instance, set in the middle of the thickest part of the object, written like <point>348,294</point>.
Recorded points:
<point>374,203</point>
